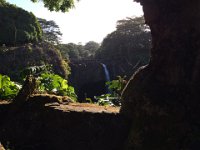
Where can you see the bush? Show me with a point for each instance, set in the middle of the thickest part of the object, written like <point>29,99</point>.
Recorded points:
<point>8,89</point>
<point>52,83</point>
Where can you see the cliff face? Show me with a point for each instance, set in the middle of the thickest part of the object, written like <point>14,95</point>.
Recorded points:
<point>162,98</point>
<point>123,67</point>
<point>88,78</point>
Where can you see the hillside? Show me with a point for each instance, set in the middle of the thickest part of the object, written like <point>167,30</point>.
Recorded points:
<point>13,60</point>
<point>17,26</point>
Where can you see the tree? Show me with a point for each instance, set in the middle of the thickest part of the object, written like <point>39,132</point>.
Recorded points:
<point>131,41</point>
<point>162,99</point>
<point>2,1</point>
<point>128,46</point>
<point>69,51</point>
<point>51,31</point>
<point>17,25</point>
<point>57,5</point>
<point>91,48</point>
<point>16,62</point>
<point>79,51</point>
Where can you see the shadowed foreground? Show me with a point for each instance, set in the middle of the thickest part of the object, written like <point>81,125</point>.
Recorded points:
<point>62,126</point>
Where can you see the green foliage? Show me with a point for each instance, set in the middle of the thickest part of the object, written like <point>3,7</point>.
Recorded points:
<point>17,25</point>
<point>14,60</point>
<point>8,89</point>
<point>57,5</point>
<point>70,50</point>
<point>89,100</point>
<point>74,51</point>
<point>104,100</point>
<point>128,46</point>
<point>116,87</point>
<point>2,2</point>
<point>49,82</point>
<point>51,31</point>
<point>53,83</point>
<point>36,70</point>
<point>90,49</point>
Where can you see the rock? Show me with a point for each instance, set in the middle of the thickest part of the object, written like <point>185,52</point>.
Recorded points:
<point>27,90</point>
<point>49,98</point>
<point>162,99</point>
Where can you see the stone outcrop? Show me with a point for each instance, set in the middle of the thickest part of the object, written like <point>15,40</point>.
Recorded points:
<point>27,90</point>
<point>56,126</point>
<point>162,99</point>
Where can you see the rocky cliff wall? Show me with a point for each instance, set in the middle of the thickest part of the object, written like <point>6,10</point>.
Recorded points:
<point>88,78</point>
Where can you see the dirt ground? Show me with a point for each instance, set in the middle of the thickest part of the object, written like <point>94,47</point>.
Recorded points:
<point>77,107</point>
<point>84,107</point>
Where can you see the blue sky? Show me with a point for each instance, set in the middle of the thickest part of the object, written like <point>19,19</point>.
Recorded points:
<point>91,20</point>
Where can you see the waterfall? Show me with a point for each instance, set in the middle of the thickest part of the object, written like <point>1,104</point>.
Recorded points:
<point>106,72</point>
<point>107,76</point>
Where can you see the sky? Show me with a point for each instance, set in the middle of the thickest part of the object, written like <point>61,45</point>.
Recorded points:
<point>90,20</point>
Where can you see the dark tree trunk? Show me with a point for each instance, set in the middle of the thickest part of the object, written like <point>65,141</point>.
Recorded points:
<point>162,99</point>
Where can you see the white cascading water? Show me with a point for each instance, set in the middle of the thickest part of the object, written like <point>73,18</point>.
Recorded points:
<point>107,75</point>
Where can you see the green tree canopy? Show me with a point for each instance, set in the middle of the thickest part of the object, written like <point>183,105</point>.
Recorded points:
<point>91,47</point>
<point>51,31</point>
<point>79,51</point>
<point>127,48</point>
<point>17,26</point>
<point>57,5</point>
<point>2,1</point>
<point>130,42</point>
<point>14,60</point>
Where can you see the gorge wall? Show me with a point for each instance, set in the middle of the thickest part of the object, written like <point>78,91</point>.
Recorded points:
<point>88,78</point>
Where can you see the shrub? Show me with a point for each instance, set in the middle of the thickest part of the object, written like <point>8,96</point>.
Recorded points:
<point>8,89</point>
<point>52,83</point>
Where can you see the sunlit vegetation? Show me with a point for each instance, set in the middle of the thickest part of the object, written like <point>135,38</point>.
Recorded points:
<point>8,89</point>
<point>113,98</point>
<point>17,25</point>
<point>37,42</point>
<point>48,81</point>
<point>55,84</point>
<point>58,5</point>
<point>15,59</point>
<point>79,51</point>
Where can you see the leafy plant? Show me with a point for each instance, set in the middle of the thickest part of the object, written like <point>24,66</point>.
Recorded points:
<point>89,100</point>
<point>8,89</point>
<point>104,100</point>
<point>116,87</point>
<point>52,83</point>
<point>36,70</point>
